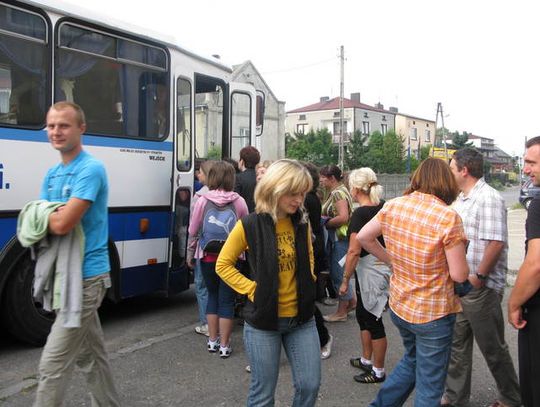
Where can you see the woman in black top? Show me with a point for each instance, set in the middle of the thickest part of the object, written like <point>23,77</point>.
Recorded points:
<point>371,280</point>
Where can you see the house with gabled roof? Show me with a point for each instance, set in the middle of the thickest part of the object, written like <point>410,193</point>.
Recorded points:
<point>415,132</point>
<point>326,115</point>
<point>271,142</point>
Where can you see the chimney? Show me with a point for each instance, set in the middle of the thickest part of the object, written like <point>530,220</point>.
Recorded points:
<point>393,109</point>
<point>379,106</point>
<point>325,99</point>
<point>355,97</point>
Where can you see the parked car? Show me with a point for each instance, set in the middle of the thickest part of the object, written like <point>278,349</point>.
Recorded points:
<point>527,193</point>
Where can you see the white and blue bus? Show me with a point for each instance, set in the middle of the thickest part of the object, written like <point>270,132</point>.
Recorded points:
<point>152,109</point>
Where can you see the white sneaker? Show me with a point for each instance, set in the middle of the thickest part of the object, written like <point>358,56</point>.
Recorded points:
<point>225,352</point>
<point>202,329</point>
<point>326,350</point>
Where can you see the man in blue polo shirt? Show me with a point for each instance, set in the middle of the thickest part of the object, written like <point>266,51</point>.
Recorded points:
<point>80,181</point>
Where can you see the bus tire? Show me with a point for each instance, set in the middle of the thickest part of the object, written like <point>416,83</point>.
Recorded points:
<point>22,316</point>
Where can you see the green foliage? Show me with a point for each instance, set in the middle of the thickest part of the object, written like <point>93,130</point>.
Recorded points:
<point>497,184</point>
<point>424,153</point>
<point>441,134</point>
<point>315,147</point>
<point>461,140</point>
<point>393,152</point>
<point>214,153</point>
<point>355,155</point>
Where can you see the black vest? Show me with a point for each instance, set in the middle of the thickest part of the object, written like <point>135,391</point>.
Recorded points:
<point>260,233</point>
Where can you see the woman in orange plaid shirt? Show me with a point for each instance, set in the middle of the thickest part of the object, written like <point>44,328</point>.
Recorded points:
<point>425,246</point>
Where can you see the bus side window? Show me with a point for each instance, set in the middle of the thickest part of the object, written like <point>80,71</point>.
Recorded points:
<point>122,85</point>
<point>183,125</point>
<point>24,72</point>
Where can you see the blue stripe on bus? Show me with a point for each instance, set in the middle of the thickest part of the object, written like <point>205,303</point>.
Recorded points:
<point>40,136</point>
<point>122,226</point>
<point>143,279</point>
<point>126,226</point>
<point>8,228</point>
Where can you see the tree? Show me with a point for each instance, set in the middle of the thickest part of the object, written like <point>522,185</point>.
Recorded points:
<point>315,147</point>
<point>424,153</point>
<point>374,157</point>
<point>461,140</point>
<point>442,134</point>
<point>355,155</point>
<point>393,152</point>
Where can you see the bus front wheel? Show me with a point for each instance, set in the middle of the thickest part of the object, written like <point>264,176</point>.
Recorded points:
<point>23,317</point>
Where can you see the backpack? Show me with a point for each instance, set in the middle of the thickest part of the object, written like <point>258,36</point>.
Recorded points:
<point>217,223</point>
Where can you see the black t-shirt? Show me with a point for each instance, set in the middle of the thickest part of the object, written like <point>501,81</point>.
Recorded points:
<point>532,231</point>
<point>360,217</point>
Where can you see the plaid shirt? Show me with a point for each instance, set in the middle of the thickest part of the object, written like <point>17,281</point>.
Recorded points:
<point>417,228</point>
<point>484,218</point>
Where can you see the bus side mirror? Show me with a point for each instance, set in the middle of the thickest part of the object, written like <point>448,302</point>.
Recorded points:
<point>259,113</point>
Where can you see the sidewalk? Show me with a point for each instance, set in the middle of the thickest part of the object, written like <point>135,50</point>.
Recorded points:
<point>516,242</point>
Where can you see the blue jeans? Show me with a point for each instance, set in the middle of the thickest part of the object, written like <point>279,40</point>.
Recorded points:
<point>339,249</point>
<point>424,365</point>
<point>201,292</point>
<point>303,350</point>
<point>220,295</point>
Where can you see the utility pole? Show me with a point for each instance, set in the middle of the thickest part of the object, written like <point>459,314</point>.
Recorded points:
<point>341,132</point>
<point>440,111</point>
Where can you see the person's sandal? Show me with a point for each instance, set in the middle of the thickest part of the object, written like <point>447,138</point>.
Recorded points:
<point>357,362</point>
<point>369,377</point>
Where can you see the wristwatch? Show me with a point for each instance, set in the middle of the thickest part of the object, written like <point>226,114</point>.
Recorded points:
<point>481,277</point>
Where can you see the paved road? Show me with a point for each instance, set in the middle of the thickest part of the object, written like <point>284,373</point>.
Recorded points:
<point>511,196</point>
<point>158,360</point>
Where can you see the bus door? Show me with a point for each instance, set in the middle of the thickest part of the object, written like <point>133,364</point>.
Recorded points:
<point>242,117</point>
<point>199,136</point>
<point>182,184</point>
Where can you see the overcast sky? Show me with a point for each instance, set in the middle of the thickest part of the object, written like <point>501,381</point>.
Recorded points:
<point>480,59</point>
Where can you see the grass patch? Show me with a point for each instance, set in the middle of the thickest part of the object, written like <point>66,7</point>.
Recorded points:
<point>517,205</point>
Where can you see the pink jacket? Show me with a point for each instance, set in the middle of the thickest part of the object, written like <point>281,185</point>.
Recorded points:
<point>220,198</point>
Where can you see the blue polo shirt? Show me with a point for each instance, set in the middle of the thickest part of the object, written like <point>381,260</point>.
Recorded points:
<point>84,178</point>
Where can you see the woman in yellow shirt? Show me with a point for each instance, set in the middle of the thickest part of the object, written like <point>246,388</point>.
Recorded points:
<point>281,285</point>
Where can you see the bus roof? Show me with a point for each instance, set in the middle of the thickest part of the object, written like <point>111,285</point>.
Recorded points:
<point>75,11</point>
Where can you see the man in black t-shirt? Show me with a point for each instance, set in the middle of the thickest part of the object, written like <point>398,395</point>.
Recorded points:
<point>246,180</point>
<point>524,302</point>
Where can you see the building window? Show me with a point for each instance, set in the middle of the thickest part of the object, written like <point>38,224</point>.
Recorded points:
<point>301,128</point>
<point>337,129</point>
<point>427,135</point>
<point>414,133</point>
<point>302,117</point>
<point>384,128</point>
<point>365,128</point>
<point>384,118</point>
<point>366,115</point>
<point>336,114</point>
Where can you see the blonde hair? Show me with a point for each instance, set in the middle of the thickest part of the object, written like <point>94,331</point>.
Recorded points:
<point>283,177</point>
<point>365,180</point>
<point>79,113</point>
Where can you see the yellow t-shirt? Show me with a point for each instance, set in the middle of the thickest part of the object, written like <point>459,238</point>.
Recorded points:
<point>237,243</point>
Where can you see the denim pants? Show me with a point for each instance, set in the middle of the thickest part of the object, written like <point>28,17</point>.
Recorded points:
<point>83,346</point>
<point>424,365</point>
<point>200,292</point>
<point>220,295</point>
<point>301,344</point>
<point>339,249</point>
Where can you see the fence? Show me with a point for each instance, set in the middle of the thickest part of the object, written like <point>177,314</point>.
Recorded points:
<point>393,184</point>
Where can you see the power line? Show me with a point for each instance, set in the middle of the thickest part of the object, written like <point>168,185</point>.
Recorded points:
<point>299,67</point>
